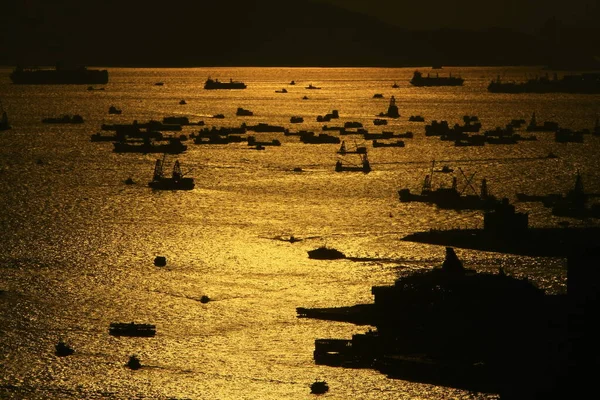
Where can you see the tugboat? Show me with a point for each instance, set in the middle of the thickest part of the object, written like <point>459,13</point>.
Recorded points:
<point>319,387</point>
<point>176,182</point>
<point>63,349</point>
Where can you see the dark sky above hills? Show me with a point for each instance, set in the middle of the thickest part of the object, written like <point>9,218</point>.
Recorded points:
<point>295,32</point>
<point>524,15</point>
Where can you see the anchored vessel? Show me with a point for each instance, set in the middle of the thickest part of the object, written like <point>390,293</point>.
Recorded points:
<point>582,83</point>
<point>59,75</point>
<point>216,84</point>
<point>131,329</point>
<point>419,80</point>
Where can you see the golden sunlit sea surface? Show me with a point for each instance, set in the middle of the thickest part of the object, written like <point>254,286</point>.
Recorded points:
<point>78,244</point>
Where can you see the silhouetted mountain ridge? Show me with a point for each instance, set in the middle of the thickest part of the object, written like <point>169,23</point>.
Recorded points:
<point>256,32</point>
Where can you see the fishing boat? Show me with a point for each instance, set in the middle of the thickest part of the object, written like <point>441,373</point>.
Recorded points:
<point>177,181</point>
<point>356,150</point>
<point>131,329</point>
<point>364,165</point>
<point>451,197</point>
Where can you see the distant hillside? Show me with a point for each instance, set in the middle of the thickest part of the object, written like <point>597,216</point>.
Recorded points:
<point>254,32</point>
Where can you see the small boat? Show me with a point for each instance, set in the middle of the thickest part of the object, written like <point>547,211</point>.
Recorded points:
<point>182,102</point>
<point>296,120</point>
<point>283,90</point>
<point>444,170</point>
<point>93,88</point>
<point>134,362</point>
<point>63,349</point>
<point>292,83</point>
<point>219,116</point>
<point>416,118</point>
<point>378,96</point>
<point>177,181</point>
<point>159,84</point>
<point>131,329</point>
<point>319,387</point>
<point>4,125</point>
<point>160,261</point>
<point>380,121</point>
<point>395,85</point>
<point>114,110</point>
<point>243,112</point>
<point>397,143</point>
<point>325,253</point>
<point>129,181</point>
<point>310,86</point>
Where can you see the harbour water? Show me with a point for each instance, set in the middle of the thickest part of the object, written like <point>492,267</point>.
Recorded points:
<point>78,244</point>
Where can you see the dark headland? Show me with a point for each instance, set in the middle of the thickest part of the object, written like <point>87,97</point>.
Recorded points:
<point>487,332</point>
<point>265,33</point>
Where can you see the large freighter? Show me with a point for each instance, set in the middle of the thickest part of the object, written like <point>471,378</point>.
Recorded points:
<point>58,76</point>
